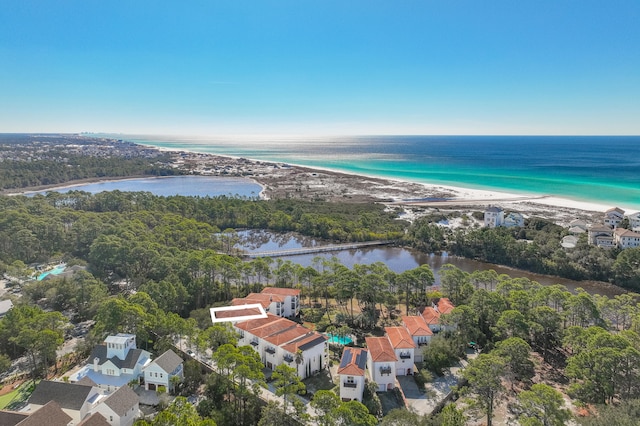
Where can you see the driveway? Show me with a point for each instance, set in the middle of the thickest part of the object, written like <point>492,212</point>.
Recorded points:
<point>418,401</point>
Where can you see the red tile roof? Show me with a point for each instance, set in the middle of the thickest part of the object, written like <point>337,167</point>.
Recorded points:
<point>431,316</point>
<point>281,291</point>
<point>400,338</point>
<point>352,362</point>
<point>380,349</point>
<point>445,306</point>
<point>249,325</point>
<point>416,325</point>
<point>237,313</point>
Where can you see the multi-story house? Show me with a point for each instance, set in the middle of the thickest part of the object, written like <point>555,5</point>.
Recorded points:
<point>352,373</point>
<point>613,217</point>
<point>419,331</point>
<point>279,340</point>
<point>624,238</point>
<point>282,302</point>
<point>115,363</point>
<point>161,370</point>
<point>493,217</point>
<point>403,346</point>
<point>601,236</point>
<point>81,401</point>
<point>634,221</point>
<point>381,362</point>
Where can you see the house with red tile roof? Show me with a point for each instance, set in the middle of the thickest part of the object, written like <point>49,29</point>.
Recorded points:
<point>420,333</point>
<point>381,362</point>
<point>352,373</point>
<point>432,318</point>
<point>283,302</point>
<point>277,340</point>
<point>403,346</point>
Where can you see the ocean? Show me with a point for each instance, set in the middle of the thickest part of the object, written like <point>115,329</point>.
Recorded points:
<point>602,169</point>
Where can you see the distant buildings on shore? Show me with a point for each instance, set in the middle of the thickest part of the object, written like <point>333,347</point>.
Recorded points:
<point>614,232</point>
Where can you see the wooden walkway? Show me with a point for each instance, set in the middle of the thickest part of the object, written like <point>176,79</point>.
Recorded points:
<point>317,249</point>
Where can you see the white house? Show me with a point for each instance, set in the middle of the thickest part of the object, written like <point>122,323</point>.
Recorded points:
<point>282,302</point>
<point>50,414</point>
<point>493,216</point>
<point>432,318</point>
<point>160,371</point>
<point>291,303</point>
<point>577,226</point>
<point>80,402</point>
<point>601,236</point>
<point>419,331</point>
<point>352,370</point>
<point>569,241</point>
<point>121,408</point>
<point>613,217</point>
<point>404,347</point>
<point>634,221</point>
<point>76,400</point>
<point>115,363</point>
<point>513,219</point>
<point>625,238</point>
<point>277,340</point>
<point>381,362</point>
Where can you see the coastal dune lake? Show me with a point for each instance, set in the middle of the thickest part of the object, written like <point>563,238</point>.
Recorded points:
<point>192,186</point>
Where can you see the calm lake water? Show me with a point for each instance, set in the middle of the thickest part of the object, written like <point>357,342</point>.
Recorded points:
<point>401,259</point>
<point>195,186</point>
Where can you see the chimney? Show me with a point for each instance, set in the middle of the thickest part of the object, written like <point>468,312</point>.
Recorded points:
<point>95,364</point>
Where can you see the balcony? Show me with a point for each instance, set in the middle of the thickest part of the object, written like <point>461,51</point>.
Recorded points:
<point>349,384</point>
<point>254,343</point>
<point>405,355</point>
<point>270,351</point>
<point>288,358</point>
<point>385,370</point>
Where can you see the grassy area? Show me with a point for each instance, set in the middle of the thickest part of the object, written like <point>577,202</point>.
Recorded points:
<point>17,396</point>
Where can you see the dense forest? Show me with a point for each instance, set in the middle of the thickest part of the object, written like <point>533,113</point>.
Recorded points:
<point>154,264</point>
<point>36,160</point>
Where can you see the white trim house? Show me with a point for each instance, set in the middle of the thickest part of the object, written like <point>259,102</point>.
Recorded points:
<point>352,373</point>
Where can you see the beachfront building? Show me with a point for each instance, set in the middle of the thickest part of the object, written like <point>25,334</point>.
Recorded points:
<point>601,236</point>
<point>115,363</point>
<point>279,340</point>
<point>634,221</point>
<point>419,331</point>
<point>283,302</point>
<point>381,362</point>
<point>493,217</point>
<point>404,347</point>
<point>162,370</point>
<point>625,238</point>
<point>613,217</point>
<point>577,226</point>
<point>512,220</point>
<point>569,241</point>
<point>352,373</point>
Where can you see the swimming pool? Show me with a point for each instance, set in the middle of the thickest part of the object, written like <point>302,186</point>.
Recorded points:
<point>55,271</point>
<point>341,340</point>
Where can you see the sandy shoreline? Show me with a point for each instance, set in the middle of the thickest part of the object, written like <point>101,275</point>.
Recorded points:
<point>298,181</point>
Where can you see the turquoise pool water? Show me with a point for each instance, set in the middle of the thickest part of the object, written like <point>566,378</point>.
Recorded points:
<point>340,340</point>
<point>55,271</point>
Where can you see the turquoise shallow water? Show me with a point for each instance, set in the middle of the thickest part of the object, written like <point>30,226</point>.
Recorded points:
<point>55,271</point>
<point>601,169</point>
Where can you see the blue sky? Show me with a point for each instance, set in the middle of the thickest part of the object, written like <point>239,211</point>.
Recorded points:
<point>320,67</point>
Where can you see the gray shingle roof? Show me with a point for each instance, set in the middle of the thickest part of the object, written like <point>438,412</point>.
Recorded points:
<point>122,400</point>
<point>9,418</point>
<point>168,361</point>
<point>96,419</point>
<point>67,395</point>
<point>100,352</point>
<point>50,414</point>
